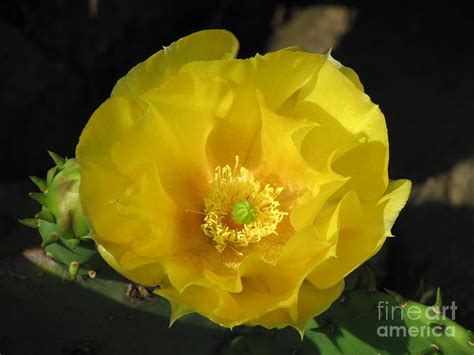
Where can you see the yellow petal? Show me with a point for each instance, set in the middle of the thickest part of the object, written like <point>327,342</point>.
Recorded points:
<point>356,113</point>
<point>366,166</point>
<point>177,311</point>
<point>350,211</point>
<point>295,175</point>
<point>101,183</point>
<point>278,318</point>
<point>146,199</point>
<point>235,133</point>
<point>214,304</point>
<point>278,287</point>
<point>348,72</point>
<point>304,244</point>
<point>333,150</point>
<point>338,215</point>
<point>153,72</point>
<point>394,200</point>
<point>146,275</point>
<point>114,117</point>
<point>352,76</point>
<point>173,135</point>
<point>352,132</point>
<point>186,271</point>
<point>356,245</point>
<point>305,213</point>
<point>325,138</point>
<point>99,190</point>
<point>279,75</point>
<point>312,302</point>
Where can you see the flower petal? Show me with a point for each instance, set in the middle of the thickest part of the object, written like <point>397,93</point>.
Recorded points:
<point>101,182</point>
<point>325,138</point>
<point>366,166</point>
<point>352,132</point>
<point>173,134</point>
<point>219,306</point>
<point>153,72</point>
<point>279,75</point>
<point>146,275</point>
<point>304,244</point>
<point>236,133</point>
<point>295,175</point>
<point>356,113</point>
<point>114,117</point>
<point>305,213</point>
<point>146,200</point>
<point>356,245</point>
<point>312,302</point>
<point>99,190</point>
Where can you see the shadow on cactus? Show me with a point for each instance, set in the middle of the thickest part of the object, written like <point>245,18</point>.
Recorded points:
<point>365,322</point>
<point>92,316</point>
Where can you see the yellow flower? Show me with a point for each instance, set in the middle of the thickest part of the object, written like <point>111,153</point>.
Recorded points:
<point>246,189</point>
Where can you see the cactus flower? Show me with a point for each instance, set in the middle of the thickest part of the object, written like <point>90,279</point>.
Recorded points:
<point>246,189</point>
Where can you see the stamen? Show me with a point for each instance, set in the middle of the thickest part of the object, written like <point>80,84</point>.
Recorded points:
<point>236,195</point>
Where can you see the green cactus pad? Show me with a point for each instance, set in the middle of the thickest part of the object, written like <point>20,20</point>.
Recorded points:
<point>354,325</point>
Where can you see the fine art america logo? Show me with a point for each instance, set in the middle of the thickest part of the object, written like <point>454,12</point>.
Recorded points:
<point>400,320</point>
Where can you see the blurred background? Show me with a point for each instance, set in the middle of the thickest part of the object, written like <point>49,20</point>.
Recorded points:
<point>60,59</point>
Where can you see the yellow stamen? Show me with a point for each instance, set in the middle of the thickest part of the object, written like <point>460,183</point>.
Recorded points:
<point>229,188</point>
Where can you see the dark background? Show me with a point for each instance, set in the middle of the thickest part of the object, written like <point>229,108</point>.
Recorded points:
<point>58,63</point>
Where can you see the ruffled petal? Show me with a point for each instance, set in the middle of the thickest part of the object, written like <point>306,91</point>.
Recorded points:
<point>98,191</point>
<point>153,72</point>
<point>350,139</point>
<point>366,166</point>
<point>305,213</point>
<point>173,134</point>
<point>357,244</point>
<point>312,302</point>
<point>356,113</point>
<point>107,124</point>
<point>280,75</point>
<point>295,175</point>
<point>219,306</point>
<point>149,274</point>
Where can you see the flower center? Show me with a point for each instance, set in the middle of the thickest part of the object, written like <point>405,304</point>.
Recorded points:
<point>238,209</point>
<point>243,212</point>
